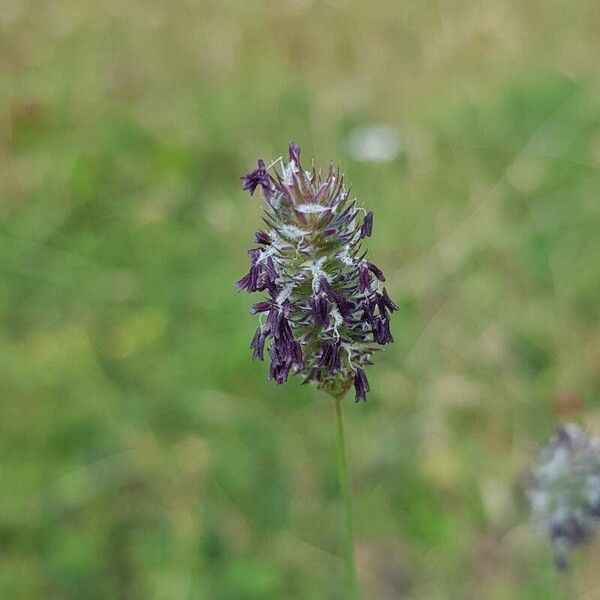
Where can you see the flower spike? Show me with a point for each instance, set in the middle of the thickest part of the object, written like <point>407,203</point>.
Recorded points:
<point>325,309</point>
<point>565,490</point>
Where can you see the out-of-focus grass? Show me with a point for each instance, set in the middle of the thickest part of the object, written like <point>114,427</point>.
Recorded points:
<point>142,454</point>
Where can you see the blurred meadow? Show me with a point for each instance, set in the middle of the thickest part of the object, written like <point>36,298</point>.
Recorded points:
<point>142,453</point>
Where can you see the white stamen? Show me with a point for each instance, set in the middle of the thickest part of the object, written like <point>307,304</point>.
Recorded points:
<point>337,321</point>
<point>345,257</point>
<point>285,293</point>
<point>312,208</point>
<point>293,231</point>
<point>315,269</point>
<point>265,253</point>
<point>287,172</point>
<point>348,348</point>
<point>275,201</point>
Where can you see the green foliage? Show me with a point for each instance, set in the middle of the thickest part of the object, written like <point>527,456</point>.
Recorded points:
<point>142,453</point>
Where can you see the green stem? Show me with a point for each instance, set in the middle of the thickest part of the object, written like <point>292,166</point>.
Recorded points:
<point>567,586</point>
<point>346,523</point>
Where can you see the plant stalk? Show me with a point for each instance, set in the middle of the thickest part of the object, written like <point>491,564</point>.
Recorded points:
<point>346,521</point>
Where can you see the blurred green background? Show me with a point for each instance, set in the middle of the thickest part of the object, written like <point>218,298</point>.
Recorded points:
<point>142,453</point>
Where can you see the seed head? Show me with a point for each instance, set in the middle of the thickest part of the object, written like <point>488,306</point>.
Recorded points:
<point>324,312</point>
<point>565,490</point>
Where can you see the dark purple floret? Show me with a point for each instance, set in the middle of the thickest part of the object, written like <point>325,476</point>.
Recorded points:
<point>257,177</point>
<point>381,330</point>
<point>363,277</point>
<point>320,310</point>
<point>366,229</point>
<point>258,343</point>
<point>347,216</point>
<point>260,307</point>
<point>262,273</point>
<point>281,363</point>
<point>387,301</point>
<point>296,353</point>
<point>337,298</point>
<point>383,302</point>
<point>260,237</point>
<point>330,356</point>
<point>376,271</point>
<point>285,353</point>
<point>248,282</point>
<point>279,326</point>
<point>361,384</point>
